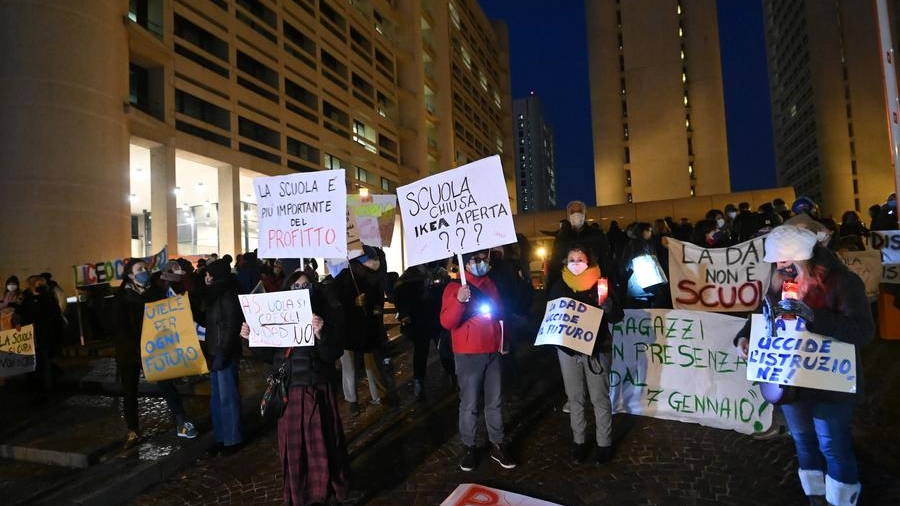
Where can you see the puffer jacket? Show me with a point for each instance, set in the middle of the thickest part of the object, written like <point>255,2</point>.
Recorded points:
<point>471,331</point>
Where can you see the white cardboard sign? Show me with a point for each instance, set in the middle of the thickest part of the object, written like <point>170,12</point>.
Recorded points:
<point>458,211</point>
<point>302,215</point>
<point>570,323</point>
<point>278,319</point>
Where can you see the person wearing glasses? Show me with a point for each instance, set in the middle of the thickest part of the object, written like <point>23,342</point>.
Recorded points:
<point>472,314</point>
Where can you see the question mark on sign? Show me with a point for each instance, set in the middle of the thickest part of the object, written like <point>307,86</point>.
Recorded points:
<point>478,227</point>
<point>462,240</point>
<point>446,237</point>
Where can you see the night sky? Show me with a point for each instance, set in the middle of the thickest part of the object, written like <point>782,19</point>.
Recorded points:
<point>548,56</point>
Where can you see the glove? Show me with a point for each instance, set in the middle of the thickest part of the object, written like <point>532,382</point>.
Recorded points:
<point>795,308</point>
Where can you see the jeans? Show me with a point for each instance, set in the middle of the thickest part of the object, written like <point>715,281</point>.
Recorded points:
<point>379,383</point>
<point>480,381</point>
<point>821,432</point>
<point>225,405</point>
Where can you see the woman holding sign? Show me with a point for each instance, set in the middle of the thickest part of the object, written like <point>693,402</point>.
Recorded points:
<point>581,280</point>
<point>811,283</point>
<point>311,444</point>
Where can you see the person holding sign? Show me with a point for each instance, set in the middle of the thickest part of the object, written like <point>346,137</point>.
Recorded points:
<point>832,302</point>
<point>581,280</point>
<point>311,444</point>
<point>223,316</point>
<point>472,314</point>
<point>136,290</point>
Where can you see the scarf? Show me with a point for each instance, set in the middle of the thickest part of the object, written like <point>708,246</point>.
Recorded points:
<point>583,281</point>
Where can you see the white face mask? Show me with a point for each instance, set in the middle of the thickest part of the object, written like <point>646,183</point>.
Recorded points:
<point>732,214</point>
<point>720,222</point>
<point>576,220</point>
<point>577,268</point>
<point>12,288</point>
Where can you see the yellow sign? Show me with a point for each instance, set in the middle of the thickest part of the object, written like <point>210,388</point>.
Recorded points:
<point>169,344</point>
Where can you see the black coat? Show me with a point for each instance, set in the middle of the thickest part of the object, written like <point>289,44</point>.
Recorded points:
<point>128,308</point>
<point>612,311</point>
<point>223,318</point>
<point>363,316</point>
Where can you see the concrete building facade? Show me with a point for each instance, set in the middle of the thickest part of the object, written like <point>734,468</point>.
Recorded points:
<point>149,119</point>
<point>830,127</point>
<point>657,101</point>
<point>535,156</point>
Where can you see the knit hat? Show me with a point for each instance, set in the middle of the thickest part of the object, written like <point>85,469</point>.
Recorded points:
<point>788,242</point>
<point>219,269</point>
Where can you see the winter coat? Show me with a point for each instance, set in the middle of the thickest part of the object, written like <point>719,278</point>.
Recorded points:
<point>223,323</point>
<point>470,331</point>
<point>363,319</point>
<point>841,311</point>
<point>128,311</point>
<point>418,295</point>
<point>612,312</point>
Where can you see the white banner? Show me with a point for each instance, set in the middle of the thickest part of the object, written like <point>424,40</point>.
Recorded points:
<point>731,279</point>
<point>457,211</point>
<point>867,265</point>
<point>374,218</point>
<point>471,494</point>
<point>17,351</point>
<point>890,274</point>
<point>681,365</point>
<point>888,243</point>
<point>278,319</point>
<point>570,323</point>
<point>798,357</point>
<point>302,215</point>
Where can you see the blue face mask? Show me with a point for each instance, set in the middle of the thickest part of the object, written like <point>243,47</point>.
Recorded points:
<point>479,268</point>
<point>142,278</point>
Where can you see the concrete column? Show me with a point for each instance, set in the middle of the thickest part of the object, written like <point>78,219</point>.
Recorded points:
<point>164,227</point>
<point>64,155</point>
<point>229,210</point>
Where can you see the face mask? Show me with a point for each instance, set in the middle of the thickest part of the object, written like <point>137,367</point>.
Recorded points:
<point>142,278</point>
<point>577,268</point>
<point>720,222</point>
<point>732,214</point>
<point>479,268</point>
<point>576,220</point>
<point>12,288</point>
<point>789,271</point>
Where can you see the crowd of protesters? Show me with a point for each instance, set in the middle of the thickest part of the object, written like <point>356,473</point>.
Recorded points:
<point>462,323</point>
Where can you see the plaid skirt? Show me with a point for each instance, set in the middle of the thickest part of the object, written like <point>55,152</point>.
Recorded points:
<point>311,444</point>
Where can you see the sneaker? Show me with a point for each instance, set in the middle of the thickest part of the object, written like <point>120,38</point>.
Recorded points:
<point>604,454</point>
<point>132,439</point>
<point>187,430</point>
<point>500,453</point>
<point>579,453</point>
<point>565,408</point>
<point>469,459</point>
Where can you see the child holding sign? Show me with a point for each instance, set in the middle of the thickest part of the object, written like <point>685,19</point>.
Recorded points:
<point>832,302</point>
<point>581,280</point>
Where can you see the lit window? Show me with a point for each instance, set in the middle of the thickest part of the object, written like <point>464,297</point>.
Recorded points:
<point>682,54</point>
<point>680,32</point>
<point>683,77</point>
<point>678,9</point>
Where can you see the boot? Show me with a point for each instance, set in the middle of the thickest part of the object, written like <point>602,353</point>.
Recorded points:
<point>812,481</point>
<point>841,494</point>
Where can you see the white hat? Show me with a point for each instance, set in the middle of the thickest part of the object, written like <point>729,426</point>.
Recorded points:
<point>788,242</point>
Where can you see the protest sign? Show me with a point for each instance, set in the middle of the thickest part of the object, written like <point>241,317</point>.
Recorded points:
<point>279,319</point>
<point>458,211</point>
<point>890,274</point>
<point>888,243</point>
<point>681,365</point>
<point>374,218</point>
<point>867,265</point>
<point>114,270</point>
<point>17,351</point>
<point>796,356</point>
<point>471,494</point>
<point>169,344</point>
<point>717,279</point>
<point>570,323</point>
<point>302,215</point>
<point>354,244</point>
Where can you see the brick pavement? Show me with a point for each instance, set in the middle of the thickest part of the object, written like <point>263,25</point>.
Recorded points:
<point>657,462</point>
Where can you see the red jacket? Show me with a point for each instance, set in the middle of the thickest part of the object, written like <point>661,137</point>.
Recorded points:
<point>479,333</point>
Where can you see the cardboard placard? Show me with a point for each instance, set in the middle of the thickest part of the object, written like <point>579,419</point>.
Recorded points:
<point>169,344</point>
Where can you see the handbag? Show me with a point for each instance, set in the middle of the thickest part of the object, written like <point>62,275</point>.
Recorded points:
<point>275,399</point>
<point>778,394</point>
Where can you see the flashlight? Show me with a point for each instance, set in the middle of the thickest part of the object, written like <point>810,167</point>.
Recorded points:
<point>485,310</point>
